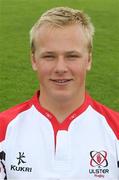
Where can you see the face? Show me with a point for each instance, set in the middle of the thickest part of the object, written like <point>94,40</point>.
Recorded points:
<point>61,60</point>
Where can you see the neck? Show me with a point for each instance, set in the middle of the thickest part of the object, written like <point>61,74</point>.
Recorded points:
<point>61,109</point>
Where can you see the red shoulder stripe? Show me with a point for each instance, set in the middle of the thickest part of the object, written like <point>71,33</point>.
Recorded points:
<point>111,116</point>
<point>7,116</point>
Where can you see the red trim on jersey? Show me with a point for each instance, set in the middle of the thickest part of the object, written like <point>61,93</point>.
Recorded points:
<point>7,116</point>
<point>111,116</point>
<point>65,124</point>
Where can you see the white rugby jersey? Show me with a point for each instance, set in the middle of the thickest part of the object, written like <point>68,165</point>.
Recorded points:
<point>34,145</point>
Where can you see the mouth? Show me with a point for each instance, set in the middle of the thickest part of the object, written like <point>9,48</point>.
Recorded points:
<point>61,81</point>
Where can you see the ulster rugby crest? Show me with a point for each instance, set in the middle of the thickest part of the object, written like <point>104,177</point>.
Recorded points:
<point>99,163</point>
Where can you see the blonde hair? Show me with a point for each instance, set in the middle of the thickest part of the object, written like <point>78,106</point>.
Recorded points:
<point>63,16</point>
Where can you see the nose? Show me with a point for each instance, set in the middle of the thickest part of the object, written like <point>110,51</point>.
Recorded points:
<point>61,66</point>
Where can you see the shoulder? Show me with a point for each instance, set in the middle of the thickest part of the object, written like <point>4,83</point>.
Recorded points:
<point>111,116</point>
<point>9,115</point>
<point>13,111</point>
<point>104,110</point>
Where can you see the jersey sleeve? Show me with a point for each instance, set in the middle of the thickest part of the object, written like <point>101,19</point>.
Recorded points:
<point>5,119</point>
<point>118,157</point>
<point>3,174</point>
<point>118,154</point>
<point>2,151</point>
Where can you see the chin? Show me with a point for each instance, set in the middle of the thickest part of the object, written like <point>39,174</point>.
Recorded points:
<point>62,96</point>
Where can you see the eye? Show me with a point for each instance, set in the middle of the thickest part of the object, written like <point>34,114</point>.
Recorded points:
<point>48,57</point>
<point>73,56</point>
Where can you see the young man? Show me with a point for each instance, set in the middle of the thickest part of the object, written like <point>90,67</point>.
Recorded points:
<point>61,133</point>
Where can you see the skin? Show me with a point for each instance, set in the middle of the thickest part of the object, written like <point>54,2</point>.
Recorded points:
<point>61,60</point>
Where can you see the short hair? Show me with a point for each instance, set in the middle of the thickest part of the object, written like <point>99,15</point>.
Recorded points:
<point>64,16</point>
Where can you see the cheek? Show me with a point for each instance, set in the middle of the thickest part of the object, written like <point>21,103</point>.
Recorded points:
<point>79,71</point>
<point>79,68</point>
<point>43,71</point>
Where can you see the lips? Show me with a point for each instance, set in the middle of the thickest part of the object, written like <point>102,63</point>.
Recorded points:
<point>61,81</point>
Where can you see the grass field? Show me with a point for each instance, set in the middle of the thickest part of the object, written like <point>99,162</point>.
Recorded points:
<point>18,82</point>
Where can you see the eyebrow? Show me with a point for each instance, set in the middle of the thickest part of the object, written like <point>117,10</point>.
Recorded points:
<point>48,52</point>
<point>72,52</point>
<point>66,52</point>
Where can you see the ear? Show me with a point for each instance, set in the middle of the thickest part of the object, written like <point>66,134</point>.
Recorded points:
<point>89,62</point>
<point>33,61</point>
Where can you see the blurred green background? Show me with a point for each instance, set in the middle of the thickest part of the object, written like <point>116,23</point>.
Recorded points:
<point>17,80</point>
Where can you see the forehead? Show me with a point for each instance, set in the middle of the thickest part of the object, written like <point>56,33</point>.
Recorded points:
<point>69,36</point>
